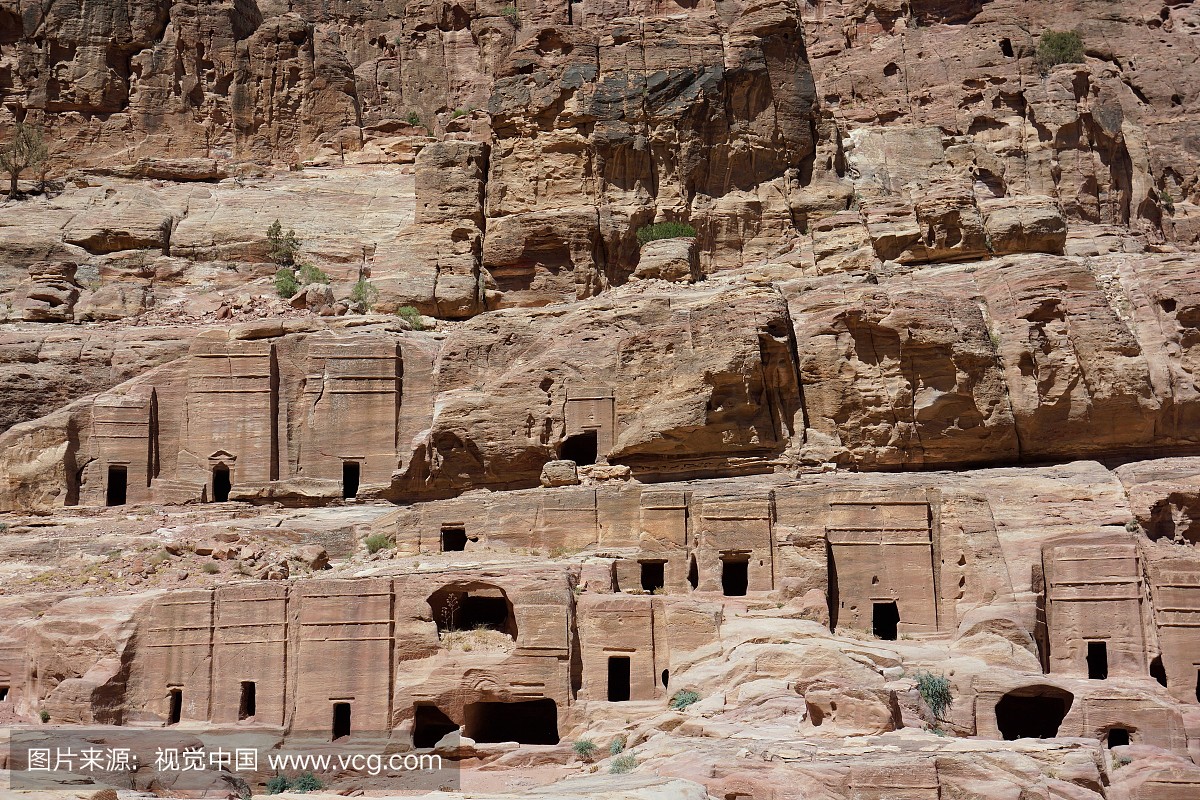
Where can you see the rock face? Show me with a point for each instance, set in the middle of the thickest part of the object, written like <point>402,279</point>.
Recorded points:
<point>883,484</point>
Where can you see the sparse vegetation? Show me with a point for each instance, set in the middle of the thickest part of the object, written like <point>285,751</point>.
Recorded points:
<point>284,247</point>
<point>622,764</point>
<point>414,119</point>
<point>683,698</point>
<point>44,715</point>
<point>365,293</point>
<point>1167,201</point>
<point>1059,47</point>
<point>412,316</point>
<point>310,273</point>
<point>210,568</point>
<point>1132,526</point>
<point>278,785</point>
<point>377,541</point>
<point>307,782</point>
<point>935,691</point>
<point>585,749</point>
<point>26,150</point>
<point>286,284</point>
<point>617,746</point>
<point>664,230</point>
<point>511,14</point>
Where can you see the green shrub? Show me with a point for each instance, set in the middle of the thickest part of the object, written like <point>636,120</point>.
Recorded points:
<point>411,316</point>
<point>664,230</point>
<point>585,749</point>
<point>278,785</point>
<point>413,119</point>
<point>622,764</point>
<point>284,246</point>
<point>307,782</point>
<point>44,715</point>
<point>683,698</point>
<point>617,746</point>
<point>377,541</point>
<point>935,691</point>
<point>1132,526</point>
<point>211,567</point>
<point>364,292</point>
<point>285,282</point>
<point>1059,47</point>
<point>1167,201</point>
<point>311,273</point>
<point>458,112</point>
<point>511,14</point>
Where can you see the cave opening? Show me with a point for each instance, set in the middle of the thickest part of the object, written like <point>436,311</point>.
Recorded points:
<point>1117,737</point>
<point>523,722</point>
<point>430,724</point>
<point>351,470</point>
<point>693,576</point>
<point>248,705</point>
<point>341,720</point>
<point>454,539</point>
<point>1097,660</point>
<point>1157,671</point>
<point>469,607</point>
<point>580,448</point>
<point>174,706</point>
<point>221,483</point>
<point>618,679</point>
<point>1033,712</point>
<point>885,620</point>
<point>653,575</point>
<point>118,483</point>
<point>735,576</point>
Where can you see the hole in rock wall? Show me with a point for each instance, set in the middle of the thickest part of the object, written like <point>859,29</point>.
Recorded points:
<point>1006,48</point>
<point>247,707</point>
<point>118,482</point>
<point>693,573</point>
<point>666,677</point>
<point>1198,686</point>
<point>454,540</point>
<point>653,575</point>
<point>580,448</point>
<point>220,483</point>
<point>735,576</point>
<point>1033,712</point>
<point>524,722</point>
<point>174,706</point>
<point>341,720</point>
<point>1157,671</point>
<point>1117,737</point>
<point>430,725</point>
<point>459,608</point>
<point>618,679</point>
<point>885,620</point>
<point>3,693</point>
<point>1097,660</point>
<point>350,475</point>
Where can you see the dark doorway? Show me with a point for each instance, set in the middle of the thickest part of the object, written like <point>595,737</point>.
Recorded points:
<point>221,483</point>
<point>1198,686</point>
<point>1097,660</point>
<point>618,678</point>
<point>580,448</point>
<point>1157,671</point>
<point>247,708</point>
<point>350,474</point>
<point>653,575</point>
<point>1032,713</point>
<point>454,539</point>
<point>118,482</point>
<point>524,722</point>
<point>693,573</point>
<point>430,725</point>
<point>341,720</point>
<point>1006,48</point>
<point>885,620</point>
<point>735,576</point>
<point>174,706</point>
<point>1118,737</point>
<point>3,693</point>
<point>458,609</point>
<point>666,676</point>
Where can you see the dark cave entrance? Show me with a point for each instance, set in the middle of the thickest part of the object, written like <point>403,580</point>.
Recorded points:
<point>885,620</point>
<point>653,575</point>
<point>463,608</point>
<point>351,471</point>
<point>1033,712</point>
<point>454,540</point>
<point>430,725</point>
<point>735,575</point>
<point>221,484</point>
<point>1157,671</point>
<point>1097,660</point>
<point>248,705</point>
<point>341,720</point>
<point>618,679</point>
<point>580,448</point>
<point>1117,737</point>
<point>174,706</point>
<point>524,722</point>
<point>118,482</point>
<point>693,576</point>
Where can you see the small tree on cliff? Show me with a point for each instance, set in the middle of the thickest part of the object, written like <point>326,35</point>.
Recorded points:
<point>26,150</point>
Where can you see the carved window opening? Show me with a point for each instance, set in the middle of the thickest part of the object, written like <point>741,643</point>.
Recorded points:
<point>580,448</point>
<point>1097,660</point>
<point>524,722</point>
<point>1033,712</point>
<point>1006,48</point>
<point>221,484</point>
<point>472,607</point>
<point>174,706</point>
<point>618,679</point>
<point>666,677</point>
<point>341,720</point>
<point>454,539</point>
<point>430,725</point>
<point>735,576</point>
<point>118,482</point>
<point>1118,737</point>
<point>247,707</point>
<point>1157,671</point>
<point>885,620</point>
<point>693,573</point>
<point>351,470</point>
<point>653,575</point>
<point>3,693</point>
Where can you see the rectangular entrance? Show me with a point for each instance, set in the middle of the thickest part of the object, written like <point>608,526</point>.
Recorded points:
<point>618,678</point>
<point>118,484</point>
